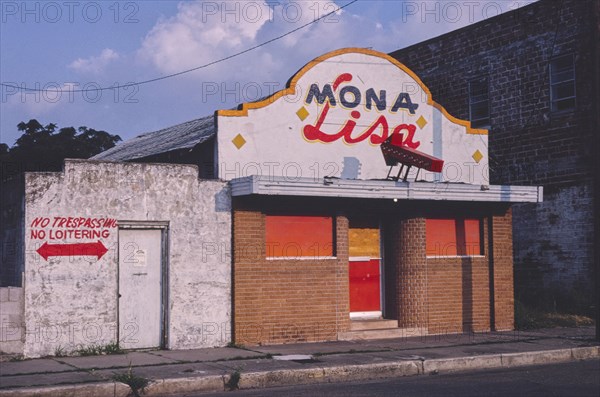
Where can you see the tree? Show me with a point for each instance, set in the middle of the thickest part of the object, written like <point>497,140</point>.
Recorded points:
<point>43,148</point>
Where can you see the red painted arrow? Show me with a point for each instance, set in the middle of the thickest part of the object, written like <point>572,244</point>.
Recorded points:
<point>94,249</point>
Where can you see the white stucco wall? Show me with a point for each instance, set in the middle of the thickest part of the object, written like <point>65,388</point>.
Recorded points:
<point>270,138</point>
<point>71,301</point>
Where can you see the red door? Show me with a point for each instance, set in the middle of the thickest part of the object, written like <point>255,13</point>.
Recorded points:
<point>365,286</point>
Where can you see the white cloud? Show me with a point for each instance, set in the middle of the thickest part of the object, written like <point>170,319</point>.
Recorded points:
<point>291,15</point>
<point>205,31</point>
<point>202,32</point>
<point>94,64</point>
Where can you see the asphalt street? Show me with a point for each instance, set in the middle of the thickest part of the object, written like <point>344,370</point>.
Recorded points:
<point>580,378</point>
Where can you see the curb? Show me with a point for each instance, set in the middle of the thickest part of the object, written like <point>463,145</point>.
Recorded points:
<point>357,372</point>
<point>257,380</point>
<point>508,360</point>
<point>87,389</point>
<point>213,383</point>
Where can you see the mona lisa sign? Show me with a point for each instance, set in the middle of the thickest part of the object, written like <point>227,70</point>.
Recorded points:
<point>350,97</point>
<point>332,118</point>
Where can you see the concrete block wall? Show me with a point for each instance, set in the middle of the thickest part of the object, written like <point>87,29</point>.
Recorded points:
<point>11,320</point>
<point>286,300</point>
<point>528,143</point>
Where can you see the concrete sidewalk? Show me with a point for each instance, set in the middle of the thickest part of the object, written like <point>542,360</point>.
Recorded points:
<point>218,369</point>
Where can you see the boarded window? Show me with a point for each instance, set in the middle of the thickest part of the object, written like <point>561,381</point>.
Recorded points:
<point>363,238</point>
<point>299,236</point>
<point>451,237</point>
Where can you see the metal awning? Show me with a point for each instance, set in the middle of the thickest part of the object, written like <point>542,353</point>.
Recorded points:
<point>383,189</point>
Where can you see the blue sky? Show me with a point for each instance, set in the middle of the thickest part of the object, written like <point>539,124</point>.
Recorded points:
<point>64,46</point>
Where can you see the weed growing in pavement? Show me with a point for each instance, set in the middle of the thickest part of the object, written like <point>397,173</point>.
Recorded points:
<point>60,351</point>
<point>135,382</point>
<point>112,348</point>
<point>97,350</point>
<point>234,381</point>
<point>91,350</point>
<point>235,345</point>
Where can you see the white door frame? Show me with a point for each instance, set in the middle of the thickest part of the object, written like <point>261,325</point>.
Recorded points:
<point>163,226</point>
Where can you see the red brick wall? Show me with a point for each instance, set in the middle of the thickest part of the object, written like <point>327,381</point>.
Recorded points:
<point>449,294</point>
<point>503,272</point>
<point>286,300</point>
<point>458,293</point>
<point>412,273</point>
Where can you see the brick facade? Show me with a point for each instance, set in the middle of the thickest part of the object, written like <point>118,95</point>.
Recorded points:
<point>451,294</point>
<point>458,294</point>
<point>503,272</point>
<point>286,300</point>
<point>306,300</point>
<point>528,143</point>
<point>411,273</point>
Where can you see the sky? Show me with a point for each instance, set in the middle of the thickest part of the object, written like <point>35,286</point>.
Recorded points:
<point>62,47</point>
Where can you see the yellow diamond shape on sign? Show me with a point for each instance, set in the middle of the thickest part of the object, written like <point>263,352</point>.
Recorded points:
<point>239,141</point>
<point>302,113</point>
<point>421,122</point>
<point>477,156</point>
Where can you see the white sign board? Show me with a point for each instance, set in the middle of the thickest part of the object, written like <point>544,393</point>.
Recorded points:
<point>332,118</point>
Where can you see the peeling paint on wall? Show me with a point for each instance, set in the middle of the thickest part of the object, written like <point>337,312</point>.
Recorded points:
<point>71,295</point>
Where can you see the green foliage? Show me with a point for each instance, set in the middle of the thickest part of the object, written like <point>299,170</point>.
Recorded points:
<point>43,148</point>
<point>234,381</point>
<point>60,352</point>
<point>235,345</point>
<point>112,348</point>
<point>97,350</point>
<point>136,383</point>
<point>91,350</point>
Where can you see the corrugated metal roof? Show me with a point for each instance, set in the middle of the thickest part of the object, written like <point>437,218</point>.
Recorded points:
<point>180,136</point>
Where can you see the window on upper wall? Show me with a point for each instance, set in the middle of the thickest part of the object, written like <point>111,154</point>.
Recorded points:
<point>479,102</point>
<point>299,237</point>
<point>453,237</point>
<point>562,83</point>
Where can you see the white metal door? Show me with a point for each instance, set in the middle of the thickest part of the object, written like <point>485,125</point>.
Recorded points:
<point>140,294</point>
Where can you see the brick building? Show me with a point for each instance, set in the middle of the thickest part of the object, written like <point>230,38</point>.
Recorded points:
<point>348,205</point>
<point>305,235</point>
<point>531,77</point>
<point>325,246</point>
